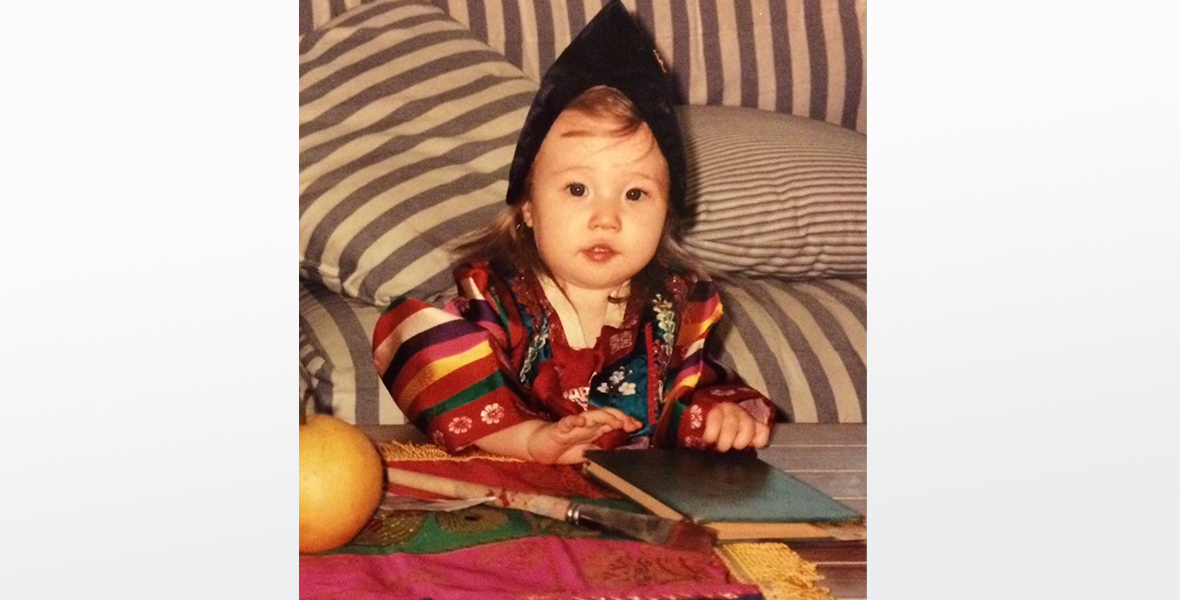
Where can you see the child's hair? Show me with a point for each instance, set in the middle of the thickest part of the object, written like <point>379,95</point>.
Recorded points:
<point>509,245</point>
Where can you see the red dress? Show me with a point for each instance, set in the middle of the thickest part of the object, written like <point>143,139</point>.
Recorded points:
<point>497,355</point>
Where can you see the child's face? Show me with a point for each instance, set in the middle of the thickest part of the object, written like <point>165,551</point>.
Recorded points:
<point>597,202</point>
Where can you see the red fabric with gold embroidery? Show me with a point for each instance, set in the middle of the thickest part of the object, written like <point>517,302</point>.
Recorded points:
<point>520,476</point>
<point>541,568</point>
<point>497,355</point>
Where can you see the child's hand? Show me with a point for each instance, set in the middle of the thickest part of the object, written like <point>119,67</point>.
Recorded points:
<point>565,441</point>
<point>730,426</point>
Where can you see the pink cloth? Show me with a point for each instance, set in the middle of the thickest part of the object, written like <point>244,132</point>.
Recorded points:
<point>538,568</point>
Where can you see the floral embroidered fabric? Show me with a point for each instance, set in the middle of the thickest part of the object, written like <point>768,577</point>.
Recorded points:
<point>498,355</point>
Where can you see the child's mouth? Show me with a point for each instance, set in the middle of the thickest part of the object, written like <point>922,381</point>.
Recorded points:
<point>600,253</point>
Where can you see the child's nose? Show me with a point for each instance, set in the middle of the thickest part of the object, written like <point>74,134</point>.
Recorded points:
<point>605,215</point>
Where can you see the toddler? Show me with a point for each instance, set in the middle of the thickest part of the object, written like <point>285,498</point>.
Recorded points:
<point>580,321</point>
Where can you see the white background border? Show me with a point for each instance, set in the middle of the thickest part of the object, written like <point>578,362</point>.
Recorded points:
<point>1023,209</point>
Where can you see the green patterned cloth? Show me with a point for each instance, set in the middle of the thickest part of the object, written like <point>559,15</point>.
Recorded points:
<point>425,532</point>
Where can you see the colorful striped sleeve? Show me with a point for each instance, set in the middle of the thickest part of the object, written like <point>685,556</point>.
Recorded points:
<point>696,382</point>
<point>449,370</point>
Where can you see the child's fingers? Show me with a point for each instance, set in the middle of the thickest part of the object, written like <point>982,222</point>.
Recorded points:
<point>632,424</point>
<point>729,430</point>
<point>607,416</point>
<point>571,431</point>
<point>626,421</point>
<point>614,417</point>
<point>745,432</point>
<point>569,423</point>
<point>761,435</point>
<point>730,426</point>
<point>712,426</point>
<point>716,422</point>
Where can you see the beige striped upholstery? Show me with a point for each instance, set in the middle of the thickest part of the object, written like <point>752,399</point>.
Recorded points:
<point>801,343</point>
<point>336,359</point>
<point>801,57</point>
<point>407,128</point>
<point>775,195</point>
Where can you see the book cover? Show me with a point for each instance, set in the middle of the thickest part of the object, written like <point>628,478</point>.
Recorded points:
<point>738,494</point>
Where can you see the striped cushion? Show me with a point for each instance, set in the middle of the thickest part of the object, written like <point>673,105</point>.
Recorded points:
<point>335,361</point>
<point>407,128</point>
<point>307,352</point>
<point>802,57</point>
<point>800,343</point>
<point>314,14</point>
<point>775,195</point>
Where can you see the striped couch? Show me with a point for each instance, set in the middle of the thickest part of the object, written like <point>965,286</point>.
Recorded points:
<point>409,111</point>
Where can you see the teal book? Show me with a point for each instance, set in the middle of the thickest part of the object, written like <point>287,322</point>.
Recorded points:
<point>739,495</point>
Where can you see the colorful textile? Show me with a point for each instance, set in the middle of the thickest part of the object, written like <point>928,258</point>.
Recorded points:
<point>533,569</point>
<point>428,554</point>
<point>424,531</point>
<point>497,355</point>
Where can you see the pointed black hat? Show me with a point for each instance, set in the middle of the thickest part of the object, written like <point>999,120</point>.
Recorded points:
<point>615,51</point>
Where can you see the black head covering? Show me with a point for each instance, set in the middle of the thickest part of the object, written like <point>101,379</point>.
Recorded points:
<point>612,50</point>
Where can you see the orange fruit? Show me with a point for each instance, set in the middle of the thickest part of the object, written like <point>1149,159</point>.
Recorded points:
<point>341,478</point>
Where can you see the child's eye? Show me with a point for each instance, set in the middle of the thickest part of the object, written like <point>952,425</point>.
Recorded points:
<point>634,194</point>
<point>576,189</point>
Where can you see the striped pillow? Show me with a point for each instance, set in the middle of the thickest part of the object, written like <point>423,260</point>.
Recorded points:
<point>801,57</point>
<point>803,344</point>
<point>314,14</point>
<point>336,369</point>
<point>407,128</point>
<point>775,195</point>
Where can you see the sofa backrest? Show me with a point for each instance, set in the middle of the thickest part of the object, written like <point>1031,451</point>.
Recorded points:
<point>800,57</point>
